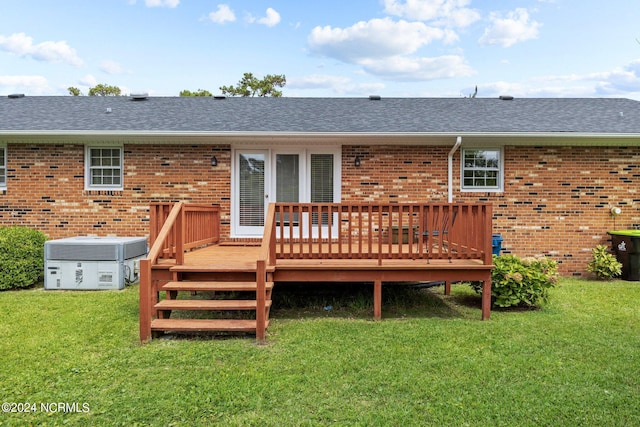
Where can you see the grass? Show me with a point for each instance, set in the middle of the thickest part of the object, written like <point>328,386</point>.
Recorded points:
<point>431,361</point>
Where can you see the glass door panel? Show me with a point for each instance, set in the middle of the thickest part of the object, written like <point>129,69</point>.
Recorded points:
<point>287,184</point>
<point>251,174</point>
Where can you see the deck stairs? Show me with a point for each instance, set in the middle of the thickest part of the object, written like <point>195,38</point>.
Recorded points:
<point>209,299</point>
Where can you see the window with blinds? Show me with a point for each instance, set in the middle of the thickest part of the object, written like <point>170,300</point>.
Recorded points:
<point>321,182</point>
<point>288,183</point>
<point>251,191</point>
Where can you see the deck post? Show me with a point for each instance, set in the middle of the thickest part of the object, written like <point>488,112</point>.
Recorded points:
<point>261,313</point>
<point>486,298</point>
<point>447,287</point>
<point>145,300</point>
<point>377,299</point>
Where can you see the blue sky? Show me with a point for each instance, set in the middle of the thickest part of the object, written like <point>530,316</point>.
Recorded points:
<point>403,48</point>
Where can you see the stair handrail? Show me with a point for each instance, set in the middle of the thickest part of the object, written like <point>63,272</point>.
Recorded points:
<point>148,292</point>
<point>267,257</point>
<point>165,232</point>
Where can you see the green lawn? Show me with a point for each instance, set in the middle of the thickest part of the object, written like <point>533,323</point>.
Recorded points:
<point>431,361</point>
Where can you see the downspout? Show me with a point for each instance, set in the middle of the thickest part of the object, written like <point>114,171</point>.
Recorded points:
<point>450,165</point>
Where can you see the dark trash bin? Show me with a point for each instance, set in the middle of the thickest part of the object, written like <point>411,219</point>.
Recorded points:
<point>625,244</point>
<point>496,244</point>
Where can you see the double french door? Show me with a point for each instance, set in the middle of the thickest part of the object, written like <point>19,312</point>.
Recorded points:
<point>283,175</point>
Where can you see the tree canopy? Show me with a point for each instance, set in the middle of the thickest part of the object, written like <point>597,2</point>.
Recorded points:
<point>104,90</point>
<point>74,91</point>
<point>199,92</point>
<point>249,85</point>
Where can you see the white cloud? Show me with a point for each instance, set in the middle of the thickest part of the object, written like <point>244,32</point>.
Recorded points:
<point>162,3</point>
<point>445,12</point>
<point>377,38</point>
<point>422,69</point>
<point>340,85</point>
<point>112,67</point>
<point>317,81</point>
<point>89,80</point>
<point>222,14</point>
<point>619,82</point>
<point>33,85</point>
<point>508,30</point>
<point>386,48</point>
<point>49,51</point>
<point>271,19</point>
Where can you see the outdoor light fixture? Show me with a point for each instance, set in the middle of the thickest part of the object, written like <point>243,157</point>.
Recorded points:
<point>615,211</point>
<point>356,162</point>
<point>214,161</point>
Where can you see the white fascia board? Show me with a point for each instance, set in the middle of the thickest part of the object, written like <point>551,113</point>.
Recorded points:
<point>342,138</point>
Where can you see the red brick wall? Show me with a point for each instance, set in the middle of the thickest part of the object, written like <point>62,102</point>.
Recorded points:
<point>556,200</point>
<point>45,187</point>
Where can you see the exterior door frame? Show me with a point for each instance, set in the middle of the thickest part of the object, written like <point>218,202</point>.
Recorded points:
<point>270,154</point>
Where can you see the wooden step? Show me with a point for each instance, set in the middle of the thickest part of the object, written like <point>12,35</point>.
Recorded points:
<point>197,325</point>
<point>212,286</point>
<point>193,304</point>
<point>218,268</point>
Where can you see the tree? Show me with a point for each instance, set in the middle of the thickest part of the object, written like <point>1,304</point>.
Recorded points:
<point>199,92</point>
<point>250,85</point>
<point>74,91</point>
<point>104,90</point>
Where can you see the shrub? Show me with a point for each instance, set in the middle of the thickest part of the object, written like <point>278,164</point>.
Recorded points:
<point>21,257</point>
<point>521,282</point>
<point>603,264</point>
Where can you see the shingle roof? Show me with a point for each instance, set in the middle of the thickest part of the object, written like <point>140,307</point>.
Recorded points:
<point>320,115</point>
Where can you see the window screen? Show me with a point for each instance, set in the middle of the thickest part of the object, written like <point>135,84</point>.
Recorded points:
<point>481,169</point>
<point>105,167</point>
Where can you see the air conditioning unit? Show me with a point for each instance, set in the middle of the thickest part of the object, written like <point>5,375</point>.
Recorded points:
<point>91,263</point>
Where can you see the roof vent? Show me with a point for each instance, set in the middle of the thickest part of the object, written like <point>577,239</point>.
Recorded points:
<point>506,98</point>
<point>16,95</point>
<point>219,97</point>
<point>374,98</point>
<point>139,96</point>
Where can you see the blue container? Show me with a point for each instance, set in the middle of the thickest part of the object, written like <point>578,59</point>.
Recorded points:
<point>496,244</point>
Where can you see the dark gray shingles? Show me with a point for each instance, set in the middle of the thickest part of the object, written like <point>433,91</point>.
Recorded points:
<point>402,115</point>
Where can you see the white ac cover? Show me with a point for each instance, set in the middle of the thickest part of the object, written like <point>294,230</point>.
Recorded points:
<point>92,263</point>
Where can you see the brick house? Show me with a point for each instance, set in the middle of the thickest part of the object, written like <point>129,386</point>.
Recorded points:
<point>552,168</point>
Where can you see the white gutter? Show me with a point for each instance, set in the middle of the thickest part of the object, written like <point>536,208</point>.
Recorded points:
<point>450,166</point>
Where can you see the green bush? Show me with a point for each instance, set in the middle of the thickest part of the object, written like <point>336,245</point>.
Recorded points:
<point>521,282</point>
<point>603,264</point>
<point>21,257</point>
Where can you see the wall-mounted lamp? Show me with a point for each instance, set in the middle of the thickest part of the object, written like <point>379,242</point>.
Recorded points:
<point>214,161</point>
<point>615,211</point>
<point>356,162</point>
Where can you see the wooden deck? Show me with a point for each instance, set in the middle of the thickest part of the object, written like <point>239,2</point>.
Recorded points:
<point>446,251</point>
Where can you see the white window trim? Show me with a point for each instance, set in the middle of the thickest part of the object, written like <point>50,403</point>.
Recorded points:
<point>3,166</point>
<point>87,168</point>
<point>499,188</point>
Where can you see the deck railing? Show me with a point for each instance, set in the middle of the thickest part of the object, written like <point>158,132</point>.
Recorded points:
<point>175,228</point>
<point>380,231</point>
<point>195,225</point>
